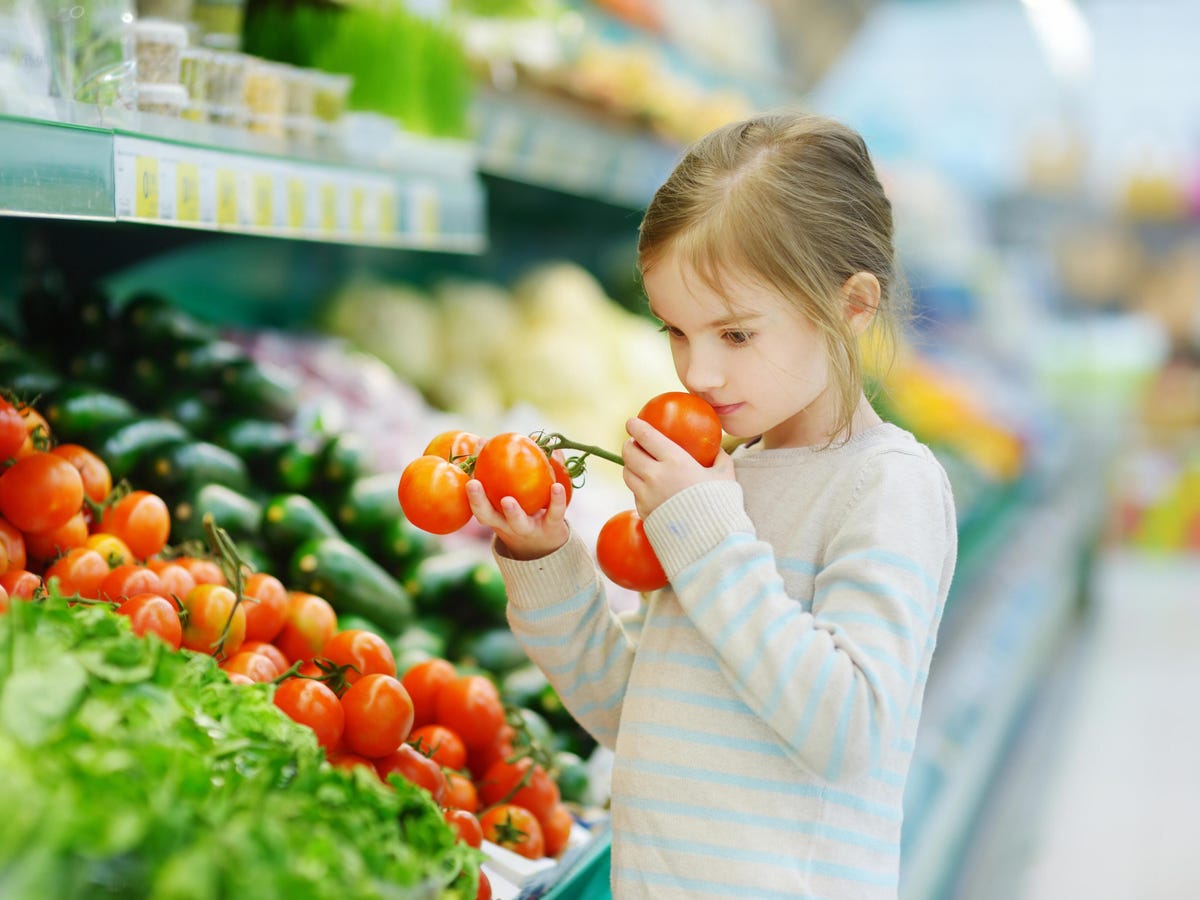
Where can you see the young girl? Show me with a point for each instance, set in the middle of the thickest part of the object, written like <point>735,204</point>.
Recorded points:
<point>762,707</point>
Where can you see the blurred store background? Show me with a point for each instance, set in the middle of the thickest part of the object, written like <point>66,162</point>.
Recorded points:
<point>418,215</point>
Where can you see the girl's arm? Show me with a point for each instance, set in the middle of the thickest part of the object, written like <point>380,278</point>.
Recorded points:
<point>834,676</point>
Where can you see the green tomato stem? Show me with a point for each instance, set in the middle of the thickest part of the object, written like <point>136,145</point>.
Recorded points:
<point>560,442</point>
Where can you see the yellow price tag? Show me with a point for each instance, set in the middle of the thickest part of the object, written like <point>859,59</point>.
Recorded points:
<point>358,207</point>
<point>187,192</point>
<point>428,219</point>
<point>328,207</point>
<point>145,205</point>
<point>227,197</point>
<point>387,213</point>
<point>264,191</point>
<point>297,195</point>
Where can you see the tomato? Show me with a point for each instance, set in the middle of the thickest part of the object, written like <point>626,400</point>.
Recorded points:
<point>310,623</point>
<point>523,782</point>
<point>37,432</point>
<point>12,430</point>
<point>239,678</point>
<point>423,681</point>
<point>514,828</point>
<point>20,583</point>
<point>561,475</point>
<point>314,704</point>
<point>270,651</point>
<point>624,554</point>
<point>79,571</point>
<point>367,652</point>
<point>142,520</point>
<point>480,759</point>
<point>415,767</point>
<point>203,570</point>
<point>470,706</point>
<point>129,579</point>
<point>211,609</point>
<point>433,495</point>
<point>454,445</point>
<point>556,829</point>
<point>40,492</point>
<point>5,602</point>
<point>14,544</point>
<point>466,824</point>
<point>265,600</point>
<point>46,545</point>
<point>687,420</point>
<point>255,666</point>
<point>152,614</point>
<point>379,715</point>
<point>513,465</point>
<point>460,791</point>
<point>111,547</point>
<point>97,479</point>
<point>348,761</point>
<point>484,891</point>
<point>441,743</point>
<point>175,579</point>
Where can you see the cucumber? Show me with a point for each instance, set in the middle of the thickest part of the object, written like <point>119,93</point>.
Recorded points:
<point>368,504</point>
<point>172,469</point>
<point>257,441</point>
<point>78,412</point>
<point>351,581</point>
<point>238,514</point>
<point>123,444</point>
<point>496,650</point>
<point>30,384</point>
<point>461,583</point>
<point>150,322</point>
<point>289,520</point>
<point>201,365</point>
<point>146,379</point>
<point>400,546</point>
<point>341,461</point>
<point>194,410</point>
<point>260,388</point>
<point>294,467</point>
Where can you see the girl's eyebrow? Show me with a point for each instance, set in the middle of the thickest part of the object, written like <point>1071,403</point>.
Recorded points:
<point>725,322</point>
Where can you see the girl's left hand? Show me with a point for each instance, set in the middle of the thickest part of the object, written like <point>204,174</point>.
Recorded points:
<point>656,468</point>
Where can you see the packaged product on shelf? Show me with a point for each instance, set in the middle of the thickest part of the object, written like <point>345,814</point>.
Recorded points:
<point>193,74</point>
<point>162,99</point>
<point>265,95</point>
<point>226,87</point>
<point>331,89</point>
<point>159,45</point>
<point>92,53</point>
<point>24,54</point>
<point>300,88</point>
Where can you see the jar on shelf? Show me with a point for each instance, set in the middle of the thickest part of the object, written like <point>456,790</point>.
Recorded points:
<point>194,64</point>
<point>161,99</point>
<point>301,89</point>
<point>226,87</point>
<point>265,95</point>
<point>159,45</point>
<point>331,89</point>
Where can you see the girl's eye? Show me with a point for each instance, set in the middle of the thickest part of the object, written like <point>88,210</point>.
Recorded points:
<point>738,337</point>
<point>670,330</point>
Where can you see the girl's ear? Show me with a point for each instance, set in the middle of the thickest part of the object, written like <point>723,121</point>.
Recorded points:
<point>862,293</point>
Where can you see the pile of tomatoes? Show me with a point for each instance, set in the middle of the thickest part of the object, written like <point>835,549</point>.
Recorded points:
<point>433,487</point>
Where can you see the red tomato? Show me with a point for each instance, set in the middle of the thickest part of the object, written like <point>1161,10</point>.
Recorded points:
<point>270,651</point>
<point>470,706</point>
<point>688,421</point>
<point>480,759</point>
<point>40,491</point>
<point>20,583</point>
<point>485,887</point>
<point>423,681</point>
<point>433,495</point>
<point>129,579</point>
<point>379,715</point>
<point>312,703</point>
<point>460,791</point>
<point>367,652</point>
<point>79,571</point>
<point>561,475</point>
<point>470,832</point>
<point>265,600</point>
<point>211,609</point>
<point>46,545</point>
<point>142,520</point>
<point>175,579</point>
<point>255,666</point>
<point>310,623</point>
<point>440,742</point>
<point>202,570</point>
<point>5,602</point>
<point>522,782</point>
<point>513,465</point>
<point>37,432</point>
<point>414,767</point>
<point>112,548</point>
<point>152,614</point>
<point>348,761</point>
<point>624,554</point>
<point>454,445</point>
<point>514,828</point>
<point>239,678</point>
<point>12,430</point>
<point>97,479</point>
<point>14,544</point>
<point>556,829</point>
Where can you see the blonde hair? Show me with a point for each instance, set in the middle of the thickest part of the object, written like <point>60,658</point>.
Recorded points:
<point>792,199</point>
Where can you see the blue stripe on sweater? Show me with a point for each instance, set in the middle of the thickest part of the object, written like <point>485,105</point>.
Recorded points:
<point>695,698</point>
<point>865,618</point>
<point>732,742</point>
<point>695,886</point>
<point>814,699</point>
<point>685,577</point>
<point>688,660</point>
<point>724,583</point>
<point>574,603</point>
<point>878,590</point>
<point>752,663</point>
<point>783,684</point>
<point>889,558</point>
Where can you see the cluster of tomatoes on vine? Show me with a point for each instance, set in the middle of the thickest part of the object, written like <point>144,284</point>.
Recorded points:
<point>433,487</point>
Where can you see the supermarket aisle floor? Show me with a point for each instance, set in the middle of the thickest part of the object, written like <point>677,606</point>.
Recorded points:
<point>1100,795</point>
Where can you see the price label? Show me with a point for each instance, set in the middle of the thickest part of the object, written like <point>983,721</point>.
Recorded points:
<point>227,197</point>
<point>358,210</point>
<point>187,192</point>
<point>297,202</point>
<point>425,206</point>
<point>145,202</point>
<point>387,212</point>
<point>328,207</point>
<point>264,197</point>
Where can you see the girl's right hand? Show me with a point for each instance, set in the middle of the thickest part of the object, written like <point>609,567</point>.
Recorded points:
<point>524,536</point>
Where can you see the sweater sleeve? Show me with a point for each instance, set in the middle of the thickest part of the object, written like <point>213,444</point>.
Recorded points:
<point>558,610</point>
<point>832,674</point>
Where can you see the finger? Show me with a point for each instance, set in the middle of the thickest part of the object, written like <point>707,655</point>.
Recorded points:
<point>482,507</point>
<point>652,441</point>
<point>558,503</point>
<point>515,518</point>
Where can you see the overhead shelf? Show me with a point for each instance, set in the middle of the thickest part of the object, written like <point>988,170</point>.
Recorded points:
<point>176,173</point>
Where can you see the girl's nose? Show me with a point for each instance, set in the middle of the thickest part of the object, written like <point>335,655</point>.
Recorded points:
<point>701,374</point>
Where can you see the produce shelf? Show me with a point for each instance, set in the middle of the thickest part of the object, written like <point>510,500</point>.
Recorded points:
<point>156,170</point>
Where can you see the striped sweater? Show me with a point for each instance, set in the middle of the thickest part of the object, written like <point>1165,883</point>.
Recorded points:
<point>762,708</point>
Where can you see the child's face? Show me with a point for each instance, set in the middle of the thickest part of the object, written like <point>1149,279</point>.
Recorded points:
<point>750,354</point>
